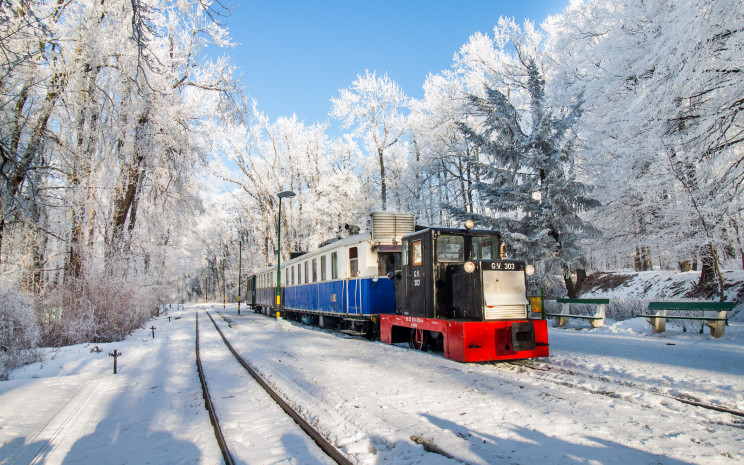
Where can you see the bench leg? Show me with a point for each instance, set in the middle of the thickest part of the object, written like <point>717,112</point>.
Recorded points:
<point>658,323</point>
<point>717,327</point>
<point>600,313</point>
<point>561,321</point>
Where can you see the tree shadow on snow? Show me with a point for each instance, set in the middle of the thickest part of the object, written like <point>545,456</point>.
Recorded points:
<point>130,433</point>
<point>17,451</point>
<point>536,447</point>
<point>304,450</point>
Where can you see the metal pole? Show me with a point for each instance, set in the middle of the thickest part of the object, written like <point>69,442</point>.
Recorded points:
<point>240,267</point>
<point>280,195</point>
<point>224,285</point>
<point>279,255</point>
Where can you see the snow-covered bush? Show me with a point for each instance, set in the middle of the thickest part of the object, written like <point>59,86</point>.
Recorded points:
<point>19,330</point>
<point>97,309</point>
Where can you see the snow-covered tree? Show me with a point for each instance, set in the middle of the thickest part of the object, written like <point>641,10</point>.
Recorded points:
<point>373,108</point>
<point>527,177</point>
<point>662,125</point>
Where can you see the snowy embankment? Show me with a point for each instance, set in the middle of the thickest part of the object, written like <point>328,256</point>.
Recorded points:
<point>603,396</point>
<point>643,287</point>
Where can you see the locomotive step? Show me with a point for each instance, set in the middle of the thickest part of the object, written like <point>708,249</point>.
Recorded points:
<point>351,332</point>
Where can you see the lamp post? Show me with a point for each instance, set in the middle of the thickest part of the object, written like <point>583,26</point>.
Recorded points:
<point>224,286</point>
<point>240,267</point>
<point>281,195</point>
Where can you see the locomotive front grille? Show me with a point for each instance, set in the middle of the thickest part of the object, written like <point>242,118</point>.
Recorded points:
<point>505,312</point>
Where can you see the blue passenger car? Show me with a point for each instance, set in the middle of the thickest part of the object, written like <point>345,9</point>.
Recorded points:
<point>344,282</point>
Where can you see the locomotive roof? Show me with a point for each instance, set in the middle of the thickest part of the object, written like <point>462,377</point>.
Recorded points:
<point>458,231</point>
<point>367,236</point>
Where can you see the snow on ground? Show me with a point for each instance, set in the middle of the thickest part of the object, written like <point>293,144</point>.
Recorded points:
<point>603,396</point>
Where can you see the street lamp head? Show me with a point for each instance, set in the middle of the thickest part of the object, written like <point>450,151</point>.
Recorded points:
<point>285,194</point>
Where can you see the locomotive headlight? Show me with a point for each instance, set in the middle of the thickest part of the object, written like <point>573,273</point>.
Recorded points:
<point>469,224</point>
<point>469,267</point>
<point>530,270</point>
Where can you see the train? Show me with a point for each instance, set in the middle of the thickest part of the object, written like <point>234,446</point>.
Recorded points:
<point>445,289</point>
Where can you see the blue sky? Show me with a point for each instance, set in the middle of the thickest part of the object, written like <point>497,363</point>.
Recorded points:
<point>294,56</point>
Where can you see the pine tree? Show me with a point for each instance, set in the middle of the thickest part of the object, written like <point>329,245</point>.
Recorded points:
<point>527,177</point>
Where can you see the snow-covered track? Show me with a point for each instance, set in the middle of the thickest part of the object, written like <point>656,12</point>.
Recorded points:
<point>208,404</point>
<point>318,438</point>
<point>570,378</point>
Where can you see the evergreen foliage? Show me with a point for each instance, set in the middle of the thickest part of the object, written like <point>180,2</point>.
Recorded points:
<point>526,174</point>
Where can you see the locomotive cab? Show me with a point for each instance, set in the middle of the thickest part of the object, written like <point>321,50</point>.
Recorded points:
<point>461,275</point>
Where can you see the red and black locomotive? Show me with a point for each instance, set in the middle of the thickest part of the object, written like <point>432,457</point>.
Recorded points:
<point>456,291</point>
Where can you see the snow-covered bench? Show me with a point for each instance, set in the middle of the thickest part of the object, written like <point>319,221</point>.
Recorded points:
<point>716,323</point>
<point>596,320</point>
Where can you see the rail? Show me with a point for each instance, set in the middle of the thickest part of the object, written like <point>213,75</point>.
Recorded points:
<point>326,446</point>
<point>208,404</point>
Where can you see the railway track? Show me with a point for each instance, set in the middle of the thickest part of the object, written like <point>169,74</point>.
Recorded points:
<point>322,443</point>
<point>546,373</point>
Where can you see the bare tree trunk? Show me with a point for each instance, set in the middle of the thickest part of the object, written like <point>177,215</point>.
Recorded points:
<point>125,200</point>
<point>711,270</point>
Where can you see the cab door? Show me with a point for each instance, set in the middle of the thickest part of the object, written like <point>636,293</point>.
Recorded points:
<point>417,276</point>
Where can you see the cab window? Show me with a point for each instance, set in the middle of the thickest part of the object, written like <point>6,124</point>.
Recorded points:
<point>451,249</point>
<point>485,248</point>
<point>416,253</point>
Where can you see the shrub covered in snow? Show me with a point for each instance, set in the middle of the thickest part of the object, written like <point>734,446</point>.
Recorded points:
<point>19,330</point>
<point>96,310</point>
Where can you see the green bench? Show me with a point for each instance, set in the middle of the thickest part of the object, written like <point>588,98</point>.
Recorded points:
<point>716,323</point>
<point>596,320</point>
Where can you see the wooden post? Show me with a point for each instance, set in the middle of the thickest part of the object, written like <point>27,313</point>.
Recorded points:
<point>115,354</point>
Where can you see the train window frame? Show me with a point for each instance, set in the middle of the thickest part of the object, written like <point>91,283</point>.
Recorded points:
<point>292,275</point>
<point>334,265</point>
<point>445,251</point>
<point>353,262</point>
<point>314,266</point>
<point>404,254</point>
<point>481,243</point>
<point>307,277</point>
<point>417,253</point>
<point>323,273</point>
<point>386,262</point>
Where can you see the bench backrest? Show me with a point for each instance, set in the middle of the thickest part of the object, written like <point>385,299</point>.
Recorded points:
<point>583,301</point>
<point>699,306</point>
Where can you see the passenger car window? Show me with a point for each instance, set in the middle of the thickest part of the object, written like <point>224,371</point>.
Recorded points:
<point>353,261</point>
<point>387,262</point>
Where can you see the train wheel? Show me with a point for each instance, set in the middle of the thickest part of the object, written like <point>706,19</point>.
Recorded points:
<point>417,339</point>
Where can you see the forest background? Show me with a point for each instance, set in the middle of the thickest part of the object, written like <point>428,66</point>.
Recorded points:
<point>136,171</point>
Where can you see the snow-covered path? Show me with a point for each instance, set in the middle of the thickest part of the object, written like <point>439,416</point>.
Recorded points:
<point>602,397</point>
<point>73,409</point>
